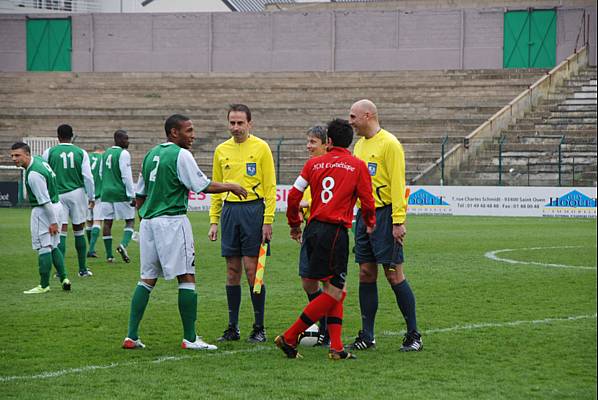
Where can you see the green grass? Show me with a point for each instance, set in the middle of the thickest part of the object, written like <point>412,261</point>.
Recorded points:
<point>491,329</point>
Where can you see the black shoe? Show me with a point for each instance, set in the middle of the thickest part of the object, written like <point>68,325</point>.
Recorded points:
<point>323,340</point>
<point>258,335</point>
<point>412,342</point>
<point>362,343</point>
<point>92,255</point>
<point>66,284</point>
<point>340,355</point>
<point>290,351</point>
<point>122,250</point>
<point>230,334</point>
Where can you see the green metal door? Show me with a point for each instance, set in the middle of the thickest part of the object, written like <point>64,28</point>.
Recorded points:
<point>543,39</point>
<point>529,39</point>
<point>48,44</point>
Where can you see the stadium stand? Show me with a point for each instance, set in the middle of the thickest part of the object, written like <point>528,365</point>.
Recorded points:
<point>566,120</point>
<point>420,107</point>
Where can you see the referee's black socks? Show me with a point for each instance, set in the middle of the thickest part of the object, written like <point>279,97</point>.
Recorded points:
<point>406,303</point>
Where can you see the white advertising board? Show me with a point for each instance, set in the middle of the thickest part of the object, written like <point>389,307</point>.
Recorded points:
<point>201,201</point>
<point>506,201</point>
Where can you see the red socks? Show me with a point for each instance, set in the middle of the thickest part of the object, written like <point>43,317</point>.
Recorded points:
<point>312,313</point>
<point>335,325</point>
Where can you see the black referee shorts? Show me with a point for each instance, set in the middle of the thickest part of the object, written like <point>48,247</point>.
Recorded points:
<point>241,224</point>
<point>380,247</point>
<point>327,248</point>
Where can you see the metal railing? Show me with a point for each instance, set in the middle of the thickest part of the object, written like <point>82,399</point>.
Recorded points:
<point>560,150</point>
<point>527,100</point>
<point>442,152</point>
<point>39,144</point>
<point>584,29</point>
<point>519,170</point>
<point>289,156</point>
<point>501,142</point>
<point>573,172</point>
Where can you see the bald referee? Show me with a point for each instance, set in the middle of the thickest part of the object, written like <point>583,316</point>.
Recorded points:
<point>385,160</point>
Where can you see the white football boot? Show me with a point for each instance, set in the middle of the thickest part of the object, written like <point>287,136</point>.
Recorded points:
<point>199,344</point>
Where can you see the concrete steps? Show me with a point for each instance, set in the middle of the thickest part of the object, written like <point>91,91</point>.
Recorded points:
<point>420,107</point>
<point>531,146</point>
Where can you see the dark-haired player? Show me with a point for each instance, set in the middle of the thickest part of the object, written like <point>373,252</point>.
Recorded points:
<point>42,191</point>
<point>337,179</point>
<point>117,194</point>
<point>75,190</point>
<point>165,238</point>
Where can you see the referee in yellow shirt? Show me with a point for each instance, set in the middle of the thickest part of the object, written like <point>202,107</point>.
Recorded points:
<point>246,223</point>
<point>385,159</point>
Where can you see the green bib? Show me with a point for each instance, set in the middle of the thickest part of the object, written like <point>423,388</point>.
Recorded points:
<point>95,161</point>
<point>43,168</point>
<point>66,160</point>
<point>165,193</point>
<point>113,188</point>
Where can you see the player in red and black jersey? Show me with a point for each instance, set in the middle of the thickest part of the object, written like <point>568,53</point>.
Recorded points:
<point>337,179</point>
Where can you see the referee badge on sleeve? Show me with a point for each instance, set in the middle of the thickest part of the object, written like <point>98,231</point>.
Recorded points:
<point>251,168</point>
<point>372,167</point>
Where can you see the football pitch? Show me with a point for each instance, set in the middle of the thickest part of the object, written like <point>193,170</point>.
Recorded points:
<point>506,307</point>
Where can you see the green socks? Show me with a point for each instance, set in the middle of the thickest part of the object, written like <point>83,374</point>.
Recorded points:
<point>108,247</point>
<point>95,234</point>
<point>62,244</point>
<point>188,311</point>
<point>138,304</point>
<point>58,260</point>
<point>45,265</point>
<point>81,246</point>
<point>88,233</point>
<point>128,234</point>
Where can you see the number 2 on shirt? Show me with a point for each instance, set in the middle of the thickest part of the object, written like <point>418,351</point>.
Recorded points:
<point>152,176</point>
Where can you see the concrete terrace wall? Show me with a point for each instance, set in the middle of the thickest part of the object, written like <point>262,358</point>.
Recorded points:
<point>334,40</point>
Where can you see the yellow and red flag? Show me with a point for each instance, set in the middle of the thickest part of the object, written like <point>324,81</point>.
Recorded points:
<point>259,273</point>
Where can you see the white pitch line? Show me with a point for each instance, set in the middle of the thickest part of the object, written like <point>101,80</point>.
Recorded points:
<point>493,256</point>
<point>69,371</point>
<point>484,325</point>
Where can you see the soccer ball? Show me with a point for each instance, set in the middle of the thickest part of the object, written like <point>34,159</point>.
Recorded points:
<point>309,338</point>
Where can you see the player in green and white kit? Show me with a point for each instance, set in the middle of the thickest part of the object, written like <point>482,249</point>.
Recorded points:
<point>117,194</point>
<point>42,191</point>
<point>94,215</point>
<point>166,240</point>
<point>74,181</point>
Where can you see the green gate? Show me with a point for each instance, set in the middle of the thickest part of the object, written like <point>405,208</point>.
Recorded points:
<point>530,39</point>
<point>49,44</point>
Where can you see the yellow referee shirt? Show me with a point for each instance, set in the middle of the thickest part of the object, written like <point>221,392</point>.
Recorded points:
<point>249,164</point>
<point>385,159</point>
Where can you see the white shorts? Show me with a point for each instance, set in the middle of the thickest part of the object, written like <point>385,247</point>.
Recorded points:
<point>40,225</point>
<point>95,213</point>
<point>120,210</point>
<point>74,206</point>
<point>166,247</point>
